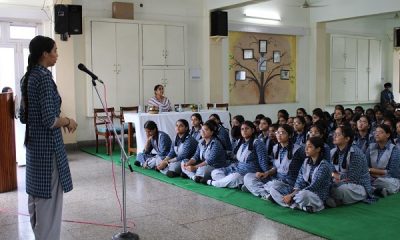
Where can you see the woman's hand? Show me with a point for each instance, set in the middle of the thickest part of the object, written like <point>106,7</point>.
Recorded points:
<point>288,199</point>
<point>191,168</point>
<point>70,125</point>
<point>162,165</point>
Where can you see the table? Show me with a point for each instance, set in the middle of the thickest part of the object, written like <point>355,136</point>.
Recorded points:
<point>165,122</point>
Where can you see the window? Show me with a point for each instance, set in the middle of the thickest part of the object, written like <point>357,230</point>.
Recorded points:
<point>22,32</point>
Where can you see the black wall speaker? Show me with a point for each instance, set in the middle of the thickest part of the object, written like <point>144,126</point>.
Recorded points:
<point>74,19</point>
<point>219,23</point>
<point>396,37</point>
<point>68,19</point>
<point>61,18</point>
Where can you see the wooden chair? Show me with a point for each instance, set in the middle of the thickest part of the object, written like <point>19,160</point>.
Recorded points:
<point>100,125</point>
<point>218,105</point>
<point>128,129</point>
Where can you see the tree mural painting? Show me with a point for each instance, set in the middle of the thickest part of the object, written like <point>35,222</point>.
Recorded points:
<point>257,84</point>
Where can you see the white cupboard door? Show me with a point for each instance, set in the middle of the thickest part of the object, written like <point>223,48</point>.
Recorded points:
<point>153,40</point>
<point>103,60</point>
<point>127,69</point>
<point>362,69</point>
<point>338,54</point>
<point>151,78</point>
<point>175,85</point>
<point>343,86</point>
<point>350,52</point>
<point>175,45</point>
<point>375,84</point>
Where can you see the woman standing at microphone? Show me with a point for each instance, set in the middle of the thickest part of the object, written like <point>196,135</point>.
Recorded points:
<point>47,169</point>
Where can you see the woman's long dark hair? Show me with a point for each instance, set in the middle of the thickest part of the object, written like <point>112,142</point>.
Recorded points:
<point>317,142</point>
<point>186,124</point>
<point>346,132</point>
<point>151,125</point>
<point>37,46</point>
<point>251,140</point>
<point>289,131</point>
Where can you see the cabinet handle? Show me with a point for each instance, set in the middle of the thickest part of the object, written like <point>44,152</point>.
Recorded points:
<point>163,53</point>
<point>166,53</point>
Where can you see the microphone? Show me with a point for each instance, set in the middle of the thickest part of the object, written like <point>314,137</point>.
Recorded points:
<point>84,69</point>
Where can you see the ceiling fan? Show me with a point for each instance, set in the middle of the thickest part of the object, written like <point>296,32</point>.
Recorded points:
<point>308,4</point>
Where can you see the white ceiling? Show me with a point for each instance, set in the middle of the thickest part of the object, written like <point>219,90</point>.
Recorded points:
<point>29,3</point>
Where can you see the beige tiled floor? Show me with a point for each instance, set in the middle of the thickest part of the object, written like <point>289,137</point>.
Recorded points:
<point>158,210</point>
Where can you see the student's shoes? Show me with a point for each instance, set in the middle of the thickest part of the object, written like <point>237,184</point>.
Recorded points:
<point>381,192</point>
<point>198,179</point>
<point>172,174</point>
<point>183,175</point>
<point>244,188</point>
<point>137,163</point>
<point>330,202</point>
<point>268,197</point>
<point>308,209</point>
<point>205,181</point>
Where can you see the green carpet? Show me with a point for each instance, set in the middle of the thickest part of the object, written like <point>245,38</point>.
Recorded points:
<point>359,221</point>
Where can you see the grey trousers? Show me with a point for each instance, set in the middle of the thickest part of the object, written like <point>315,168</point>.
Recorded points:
<point>46,214</point>
<point>349,193</point>
<point>391,184</point>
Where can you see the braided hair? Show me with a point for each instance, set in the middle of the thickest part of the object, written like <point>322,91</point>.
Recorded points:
<point>317,142</point>
<point>186,124</point>
<point>37,46</point>
<point>289,131</point>
<point>252,138</point>
<point>346,132</point>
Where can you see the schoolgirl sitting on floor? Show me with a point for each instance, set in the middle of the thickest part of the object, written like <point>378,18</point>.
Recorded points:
<point>210,154</point>
<point>157,140</point>
<point>313,182</point>
<point>351,177</point>
<point>250,156</point>
<point>288,158</point>
<point>384,163</point>
<point>183,148</point>
<point>197,121</point>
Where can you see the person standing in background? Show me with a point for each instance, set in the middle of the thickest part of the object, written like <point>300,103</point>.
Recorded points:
<point>47,170</point>
<point>387,98</point>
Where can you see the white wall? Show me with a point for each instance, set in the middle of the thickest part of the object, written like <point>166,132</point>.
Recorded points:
<point>189,12</point>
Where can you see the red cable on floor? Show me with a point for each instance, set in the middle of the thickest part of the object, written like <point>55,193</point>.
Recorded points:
<point>64,220</point>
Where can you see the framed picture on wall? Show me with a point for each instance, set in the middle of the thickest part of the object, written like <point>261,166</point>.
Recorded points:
<point>276,56</point>
<point>262,46</point>
<point>262,64</point>
<point>247,54</point>
<point>240,75</point>
<point>285,74</point>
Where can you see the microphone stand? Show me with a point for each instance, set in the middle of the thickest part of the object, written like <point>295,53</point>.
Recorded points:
<point>124,235</point>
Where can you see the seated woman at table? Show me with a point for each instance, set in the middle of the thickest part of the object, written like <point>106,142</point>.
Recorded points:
<point>251,156</point>
<point>157,140</point>
<point>384,163</point>
<point>159,100</point>
<point>183,148</point>
<point>313,182</point>
<point>197,121</point>
<point>351,180</point>
<point>287,160</point>
<point>209,155</point>
<point>222,132</point>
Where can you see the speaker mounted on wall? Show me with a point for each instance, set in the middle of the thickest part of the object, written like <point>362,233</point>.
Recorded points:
<point>67,20</point>
<point>396,37</point>
<point>219,23</point>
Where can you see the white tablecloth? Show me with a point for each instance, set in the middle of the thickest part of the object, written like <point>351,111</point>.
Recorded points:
<point>166,122</point>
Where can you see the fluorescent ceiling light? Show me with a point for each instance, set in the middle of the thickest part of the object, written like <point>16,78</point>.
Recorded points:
<point>274,16</point>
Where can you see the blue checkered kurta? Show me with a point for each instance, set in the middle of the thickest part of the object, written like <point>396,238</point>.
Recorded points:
<point>44,142</point>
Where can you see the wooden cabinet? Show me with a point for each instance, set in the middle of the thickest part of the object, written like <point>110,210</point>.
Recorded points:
<point>163,45</point>
<point>173,81</point>
<point>115,60</point>
<point>344,52</point>
<point>355,69</point>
